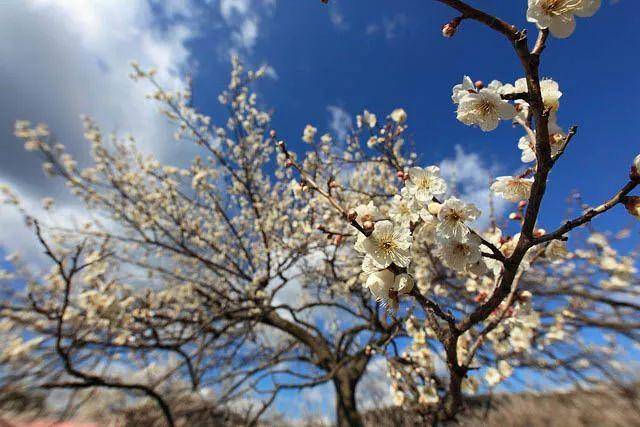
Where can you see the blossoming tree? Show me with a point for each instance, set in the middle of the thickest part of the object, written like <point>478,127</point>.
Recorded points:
<point>254,270</point>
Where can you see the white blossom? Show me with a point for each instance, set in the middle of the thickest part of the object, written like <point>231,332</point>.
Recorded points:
<point>512,188</point>
<point>398,115</point>
<point>557,15</point>
<point>389,243</point>
<point>556,250</point>
<point>459,254</point>
<point>368,212</point>
<point>380,283</point>
<point>459,91</point>
<point>452,217</point>
<point>404,210</point>
<point>485,109</point>
<point>492,377</point>
<point>424,184</point>
<point>309,133</point>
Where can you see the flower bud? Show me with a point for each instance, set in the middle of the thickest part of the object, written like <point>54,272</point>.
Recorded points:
<point>635,169</point>
<point>515,216</point>
<point>448,30</point>
<point>434,208</point>
<point>337,239</point>
<point>288,163</point>
<point>522,204</point>
<point>352,215</point>
<point>272,133</point>
<point>400,174</point>
<point>479,84</point>
<point>403,283</point>
<point>367,225</point>
<point>632,203</point>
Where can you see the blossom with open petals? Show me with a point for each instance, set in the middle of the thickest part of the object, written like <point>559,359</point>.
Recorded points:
<point>512,188</point>
<point>452,216</point>
<point>398,115</point>
<point>460,90</point>
<point>404,210</point>
<point>485,109</point>
<point>389,243</point>
<point>424,184</point>
<point>368,212</point>
<point>460,254</point>
<point>557,15</point>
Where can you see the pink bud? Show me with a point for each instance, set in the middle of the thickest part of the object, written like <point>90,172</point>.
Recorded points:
<point>632,203</point>
<point>448,30</point>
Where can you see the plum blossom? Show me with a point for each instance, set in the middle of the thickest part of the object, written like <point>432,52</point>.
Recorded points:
<point>556,250</point>
<point>512,188</point>
<point>452,217</point>
<point>380,283</point>
<point>404,209</point>
<point>459,91</point>
<point>398,115</point>
<point>366,213</point>
<point>424,184</point>
<point>485,109</point>
<point>557,15</point>
<point>309,133</point>
<point>389,243</point>
<point>459,254</point>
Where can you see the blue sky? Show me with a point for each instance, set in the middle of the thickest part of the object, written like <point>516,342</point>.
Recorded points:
<point>380,55</point>
<point>330,62</point>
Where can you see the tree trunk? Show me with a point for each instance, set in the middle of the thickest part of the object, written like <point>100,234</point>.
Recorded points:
<point>347,414</point>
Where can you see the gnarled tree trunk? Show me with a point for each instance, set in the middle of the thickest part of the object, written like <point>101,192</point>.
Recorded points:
<point>345,382</point>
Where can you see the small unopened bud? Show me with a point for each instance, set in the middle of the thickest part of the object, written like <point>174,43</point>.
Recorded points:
<point>539,232</point>
<point>515,216</point>
<point>367,225</point>
<point>272,133</point>
<point>448,30</point>
<point>400,174</point>
<point>632,203</point>
<point>635,169</point>
<point>522,204</point>
<point>524,296</point>
<point>434,208</point>
<point>337,239</point>
<point>288,163</point>
<point>352,215</point>
<point>479,84</point>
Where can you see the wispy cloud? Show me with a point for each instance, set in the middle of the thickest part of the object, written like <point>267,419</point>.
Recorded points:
<point>243,18</point>
<point>389,27</point>
<point>472,177</point>
<point>339,122</point>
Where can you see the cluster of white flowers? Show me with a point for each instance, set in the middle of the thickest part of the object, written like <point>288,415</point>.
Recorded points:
<point>387,242</point>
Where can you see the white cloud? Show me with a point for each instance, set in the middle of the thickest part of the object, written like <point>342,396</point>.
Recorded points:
<point>340,122</point>
<point>337,19</point>
<point>243,18</point>
<point>67,58</point>
<point>389,27</point>
<point>472,179</point>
